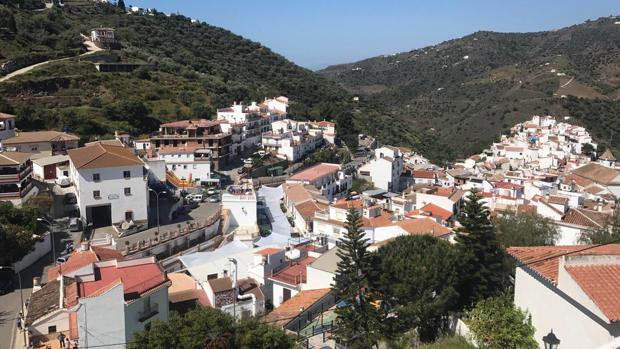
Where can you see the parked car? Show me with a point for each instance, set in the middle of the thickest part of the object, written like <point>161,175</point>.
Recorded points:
<point>212,191</point>
<point>70,199</point>
<point>75,224</point>
<point>214,198</point>
<point>248,161</point>
<point>196,198</point>
<point>63,181</point>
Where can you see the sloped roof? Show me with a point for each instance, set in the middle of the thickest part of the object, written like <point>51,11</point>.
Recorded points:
<point>607,156</point>
<point>423,226</point>
<point>597,173</point>
<point>432,210</point>
<point>40,136</point>
<point>585,218</point>
<point>44,301</point>
<point>5,116</point>
<point>308,208</point>
<point>9,158</point>
<point>315,172</point>
<point>544,260</point>
<point>102,155</point>
<point>290,309</point>
<point>328,261</point>
<point>296,193</point>
<point>602,285</point>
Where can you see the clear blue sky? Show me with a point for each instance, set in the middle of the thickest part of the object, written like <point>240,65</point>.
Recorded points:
<point>316,33</point>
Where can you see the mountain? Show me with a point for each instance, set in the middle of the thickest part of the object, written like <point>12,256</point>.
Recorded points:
<point>196,69</point>
<point>454,98</point>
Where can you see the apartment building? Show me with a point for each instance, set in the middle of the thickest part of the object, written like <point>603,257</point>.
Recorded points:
<point>329,179</point>
<point>15,177</point>
<point>41,143</point>
<point>385,169</point>
<point>292,140</point>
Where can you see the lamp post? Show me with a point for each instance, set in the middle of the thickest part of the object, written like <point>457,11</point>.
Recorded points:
<point>21,297</point>
<point>157,200</point>
<point>51,226</point>
<point>551,341</point>
<point>234,261</point>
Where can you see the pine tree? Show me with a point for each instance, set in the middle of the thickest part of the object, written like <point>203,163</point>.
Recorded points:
<point>357,317</point>
<point>121,4</point>
<point>484,268</point>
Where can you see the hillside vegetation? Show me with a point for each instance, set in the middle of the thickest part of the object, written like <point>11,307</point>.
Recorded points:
<point>198,68</point>
<point>461,94</point>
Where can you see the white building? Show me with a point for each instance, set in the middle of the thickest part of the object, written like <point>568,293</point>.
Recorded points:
<point>110,184</point>
<point>327,178</point>
<point>7,126</point>
<point>240,201</point>
<point>572,291</point>
<point>291,139</point>
<point>385,169</point>
<point>190,163</point>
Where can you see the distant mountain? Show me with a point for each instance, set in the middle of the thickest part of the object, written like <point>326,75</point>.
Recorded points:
<point>453,98</point>
<point>197,68</point>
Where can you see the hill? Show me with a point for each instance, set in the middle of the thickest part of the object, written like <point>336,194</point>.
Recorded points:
<point>461,94</point>
<point>197,68</point>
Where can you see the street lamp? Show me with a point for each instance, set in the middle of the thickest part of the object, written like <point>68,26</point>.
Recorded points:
<point>157,199</point>
<point>21,297</point>
<point>551,341</point>
<point>51,226</point>
<point>234,261</point>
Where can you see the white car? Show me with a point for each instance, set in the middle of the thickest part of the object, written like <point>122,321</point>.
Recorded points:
<point>212,191</point>
<point>248,161</point>
<point>214,198</point>
<point>63,181</point>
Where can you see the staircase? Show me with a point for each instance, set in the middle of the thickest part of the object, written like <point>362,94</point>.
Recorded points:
<point>177,182</point>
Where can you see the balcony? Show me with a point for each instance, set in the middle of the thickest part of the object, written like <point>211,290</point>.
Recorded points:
<point>148,313</point>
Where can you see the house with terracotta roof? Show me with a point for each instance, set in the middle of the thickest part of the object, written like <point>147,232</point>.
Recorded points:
<point>240,298</point>
<point>301,309</point>
<point>434,212</point>
<point>289,279</point>
<point>449,199</point>
<point>110,184</point>
<point>102,304</point>
<point>606,177</point>
<point>41,143</point>
<point>578,220</point>
<point>385,169</point>
<point>16,177</point>
<point>572,290</point>
<point>328,178</point>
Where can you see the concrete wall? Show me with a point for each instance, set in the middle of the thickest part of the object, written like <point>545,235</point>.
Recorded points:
<point>101,320</point>
<point>318,279</point>
<point>550,308</point>
<point>59,319</point>
<point>133,311</point>
<point>278,294</point>
<point>111,187</point>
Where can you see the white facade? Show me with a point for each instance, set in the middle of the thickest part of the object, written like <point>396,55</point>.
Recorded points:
<point>109,186</point>
<point>185,165</point>
<point>385,169</point>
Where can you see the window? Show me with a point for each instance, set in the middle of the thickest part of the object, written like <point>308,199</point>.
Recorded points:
<point>127,191</point>
<point>185,167</point>
<point>51,329</point>
<point>211,276</point>
<point>34,148</point>
<point>96,194</point>
<point>96,177</point>
<point>128,216</point>
<point>126,174</point>
<point>194,166</point>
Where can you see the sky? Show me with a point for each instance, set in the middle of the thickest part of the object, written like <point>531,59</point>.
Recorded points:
<point>317,33</point>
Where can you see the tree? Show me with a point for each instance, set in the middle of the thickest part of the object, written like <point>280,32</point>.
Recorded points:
<point>211,329</point>
<point>484,269</point>
<point>121,5</point>
<point>357,319</point>
<point>525,229</point>
<point>609,233</point>
<point>587,149</point>
<point>496,323</point>
<point>417,282</point>
<point>17,226</point>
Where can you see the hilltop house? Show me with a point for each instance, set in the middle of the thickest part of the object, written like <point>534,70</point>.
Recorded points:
<point>329,179</point>
<point>15,177</point>
<point>385,169</point>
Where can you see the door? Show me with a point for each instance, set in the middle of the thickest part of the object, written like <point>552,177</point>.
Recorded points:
<point>286,295</point>
<point>100,216</point>
<point>49,172</point>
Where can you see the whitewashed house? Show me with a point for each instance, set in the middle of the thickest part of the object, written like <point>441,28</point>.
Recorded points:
<point>385,169</point>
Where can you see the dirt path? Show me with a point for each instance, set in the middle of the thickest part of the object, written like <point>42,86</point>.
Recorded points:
<point>92,48</point>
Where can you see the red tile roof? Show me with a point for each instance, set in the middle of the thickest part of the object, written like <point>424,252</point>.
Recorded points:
<point>290,309</point>
<point>315,172</point>
<point>192,123</point>
<point>602,285</point>
<point>545,259</point>
<point>507,185</point>
<point>136,279</point>
<point>268,251</point>
<point>423,226</point>
<point>308,208</point>
<point>423,174</point>
<point>432,210</point>
<point>294,273</point>
<point>81,259</point>
<point>585,218</point>
<point>347,204</point>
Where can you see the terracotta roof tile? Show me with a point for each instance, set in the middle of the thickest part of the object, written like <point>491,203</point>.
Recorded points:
<point>103,155</point>
<point>423,174</point>
<point>40,136</point>
<point>585,218</point>
<point>308,208</point>
<point>432,210</point>
<point>602,285</point>
<point>268,251</point>
<point>294,273</point>
<point>296,193</point>
<point>315,172</point>
<point>288,310</point>
<point>423,226</point>
<point>9,158</point>
<point>545,259</point>
<point>597,173</point>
